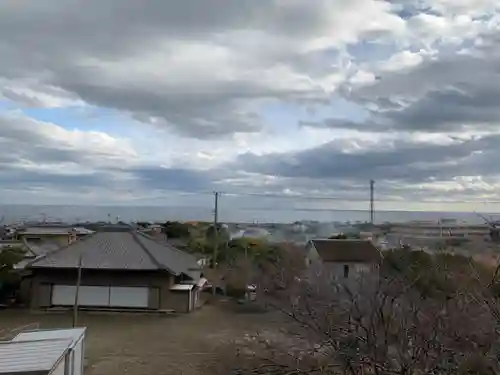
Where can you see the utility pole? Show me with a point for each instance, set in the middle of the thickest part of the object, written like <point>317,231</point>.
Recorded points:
<point>216,237</point>
<point>78,282</point>
<point>372,208</point>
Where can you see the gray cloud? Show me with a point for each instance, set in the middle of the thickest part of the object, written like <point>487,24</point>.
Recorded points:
<point>22,179</point>
<point>67,46</point>
<point>404,162</point>
<point>397,166</point>
<point>449,93</point>
<point>22,139</point>
<point>177,179</point>
<point>204,69</point>
<point>27,145</point>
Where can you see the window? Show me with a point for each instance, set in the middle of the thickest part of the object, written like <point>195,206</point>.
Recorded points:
<point>346,271</point>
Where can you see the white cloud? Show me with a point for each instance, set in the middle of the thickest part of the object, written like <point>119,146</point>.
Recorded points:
<point>196,80</point>
<point>32,94</point>
<point>402,60</point>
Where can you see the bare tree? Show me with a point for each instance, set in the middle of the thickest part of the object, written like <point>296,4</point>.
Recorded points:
<point>379,323</point>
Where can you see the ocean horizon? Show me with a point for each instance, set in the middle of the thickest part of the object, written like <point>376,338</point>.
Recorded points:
<point>75,213</point>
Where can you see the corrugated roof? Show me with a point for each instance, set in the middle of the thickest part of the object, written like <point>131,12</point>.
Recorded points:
<point>38,356</point>
<point>348,250</point>
<point>73,334</point>
<point>119,251</point>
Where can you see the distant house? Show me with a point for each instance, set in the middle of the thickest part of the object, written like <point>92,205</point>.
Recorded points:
<point>59,235</point>
<point>41,240</point>
<point>150,228</point>
<point>120,270</point>
<point>343,258</point>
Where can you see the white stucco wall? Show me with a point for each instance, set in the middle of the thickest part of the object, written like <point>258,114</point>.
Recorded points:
<point>334,270</point>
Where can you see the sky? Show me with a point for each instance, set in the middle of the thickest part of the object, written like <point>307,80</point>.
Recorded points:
<point>161,102</point>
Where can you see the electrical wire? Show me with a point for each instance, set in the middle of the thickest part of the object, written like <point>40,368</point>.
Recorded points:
<point>298,197</point>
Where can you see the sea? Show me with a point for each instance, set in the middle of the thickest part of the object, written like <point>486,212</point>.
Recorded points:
<point>75,213</point>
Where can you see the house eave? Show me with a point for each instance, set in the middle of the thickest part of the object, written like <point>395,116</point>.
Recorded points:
<point>101,269</point>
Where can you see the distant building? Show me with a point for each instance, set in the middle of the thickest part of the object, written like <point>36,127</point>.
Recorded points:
<point>299,227</point>
<point>440,228</point>
<point>343,259</point>
<point>252,232</point>
<point>60,235</point>
<point>429,233</point>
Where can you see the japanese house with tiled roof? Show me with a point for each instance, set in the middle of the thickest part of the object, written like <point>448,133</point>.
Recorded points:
<point>119,270</point>
<point>343,258</point>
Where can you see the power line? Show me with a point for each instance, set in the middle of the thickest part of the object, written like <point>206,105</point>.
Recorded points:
<point>333,198</point>
<point>366,200</point>
<point>264,195</point>
<point>291,196</point>
<point>326,210</point>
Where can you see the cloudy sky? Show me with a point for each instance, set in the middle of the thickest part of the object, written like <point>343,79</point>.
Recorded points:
<point>152,102</point>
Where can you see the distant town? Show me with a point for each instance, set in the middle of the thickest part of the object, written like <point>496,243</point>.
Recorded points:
<point>439,235</point>
<point>215,277</point>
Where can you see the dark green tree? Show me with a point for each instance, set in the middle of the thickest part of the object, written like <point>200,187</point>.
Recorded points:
<point>175,229</point>
<point>222,233</point>
<point>8,259</point>
<point>9,277</point>
<point>340,236</point>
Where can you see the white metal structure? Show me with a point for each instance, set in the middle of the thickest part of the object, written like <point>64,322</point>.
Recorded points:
<point>252,233</point>
<point>102,296</point>
<point>75,338</point>
<point>187,288</point>
<point>43,357</point>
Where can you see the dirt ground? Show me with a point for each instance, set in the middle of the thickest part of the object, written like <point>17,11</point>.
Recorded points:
<point>148,344</point>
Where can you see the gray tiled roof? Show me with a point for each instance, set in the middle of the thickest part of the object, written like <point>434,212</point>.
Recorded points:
<point>41,248</point>
<point>119,251</point>
<point>346,250</point>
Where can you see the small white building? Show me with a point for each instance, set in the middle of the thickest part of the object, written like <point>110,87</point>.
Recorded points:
<point>252,232</point>
<point>44,352</point>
